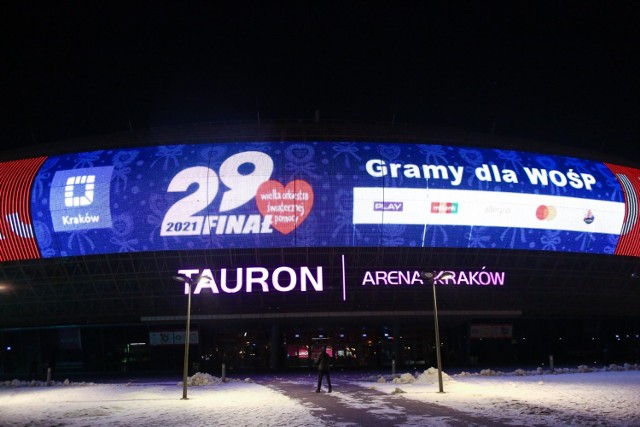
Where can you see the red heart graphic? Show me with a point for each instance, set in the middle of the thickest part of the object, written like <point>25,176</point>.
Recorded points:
<point>288,206</point>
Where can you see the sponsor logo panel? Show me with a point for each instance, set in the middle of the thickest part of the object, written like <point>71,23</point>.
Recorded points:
<point>487,209</point>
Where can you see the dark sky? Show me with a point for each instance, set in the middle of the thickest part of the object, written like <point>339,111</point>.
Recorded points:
<point>561,72</point>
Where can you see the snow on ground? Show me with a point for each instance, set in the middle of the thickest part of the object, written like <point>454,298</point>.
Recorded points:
<point>609,396</point>
<point>581,396</point>
<point>235,403</point>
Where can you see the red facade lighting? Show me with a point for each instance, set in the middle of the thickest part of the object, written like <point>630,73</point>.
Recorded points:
<point>17,239</point>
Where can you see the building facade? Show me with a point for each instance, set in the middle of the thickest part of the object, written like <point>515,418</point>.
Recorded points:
<point>309,234</point>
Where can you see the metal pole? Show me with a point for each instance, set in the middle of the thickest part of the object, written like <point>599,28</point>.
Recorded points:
<point>185,371</point>
<point>435,315</point>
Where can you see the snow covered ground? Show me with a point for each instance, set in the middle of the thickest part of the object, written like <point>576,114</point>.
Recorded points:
<point>606,396</point>
<point>578,397</point>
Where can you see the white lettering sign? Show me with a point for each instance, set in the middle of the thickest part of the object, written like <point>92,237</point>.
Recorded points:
<point>412,277</point>
<point>256,279</point>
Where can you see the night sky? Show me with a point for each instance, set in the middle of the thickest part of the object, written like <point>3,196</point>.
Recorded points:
<point>560,72</point>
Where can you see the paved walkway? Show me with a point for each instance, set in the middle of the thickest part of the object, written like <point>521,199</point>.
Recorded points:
<point>352,405</point>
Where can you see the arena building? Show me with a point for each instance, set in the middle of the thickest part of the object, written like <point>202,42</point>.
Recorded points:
<point>294,234</point>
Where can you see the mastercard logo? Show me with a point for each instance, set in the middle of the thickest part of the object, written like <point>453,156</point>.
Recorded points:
<point>545,212</point>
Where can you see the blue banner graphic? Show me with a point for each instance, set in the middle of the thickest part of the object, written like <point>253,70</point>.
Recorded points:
<point>318,194</point>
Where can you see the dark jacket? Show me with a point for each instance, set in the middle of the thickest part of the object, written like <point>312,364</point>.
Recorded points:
<point>323,361</point>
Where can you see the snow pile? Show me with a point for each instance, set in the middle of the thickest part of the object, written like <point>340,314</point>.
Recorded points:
<point>430,376</point>
<point>625,367</point>
<point>404,379</point>
<point>202,379</point>
<point>581,369</point>
<point>34,383</point>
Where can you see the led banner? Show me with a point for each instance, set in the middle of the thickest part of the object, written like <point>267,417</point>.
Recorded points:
<point>318,194</point>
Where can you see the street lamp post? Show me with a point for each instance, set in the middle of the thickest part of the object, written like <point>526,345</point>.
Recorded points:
<point>185,370</point>
<point>435,320</point>
<point>431,277</point>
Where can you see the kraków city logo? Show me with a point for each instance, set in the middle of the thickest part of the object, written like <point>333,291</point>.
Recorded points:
<point>80,199</point>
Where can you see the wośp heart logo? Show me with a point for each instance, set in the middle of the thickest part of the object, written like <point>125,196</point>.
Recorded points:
<point>289,206</point>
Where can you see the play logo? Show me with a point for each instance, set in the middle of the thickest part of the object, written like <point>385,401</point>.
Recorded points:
<point>388,206</point>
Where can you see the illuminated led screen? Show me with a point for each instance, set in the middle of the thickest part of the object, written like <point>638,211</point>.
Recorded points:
<point>319,194</point>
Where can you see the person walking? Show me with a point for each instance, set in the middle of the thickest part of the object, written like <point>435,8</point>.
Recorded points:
<point>323,363</point>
